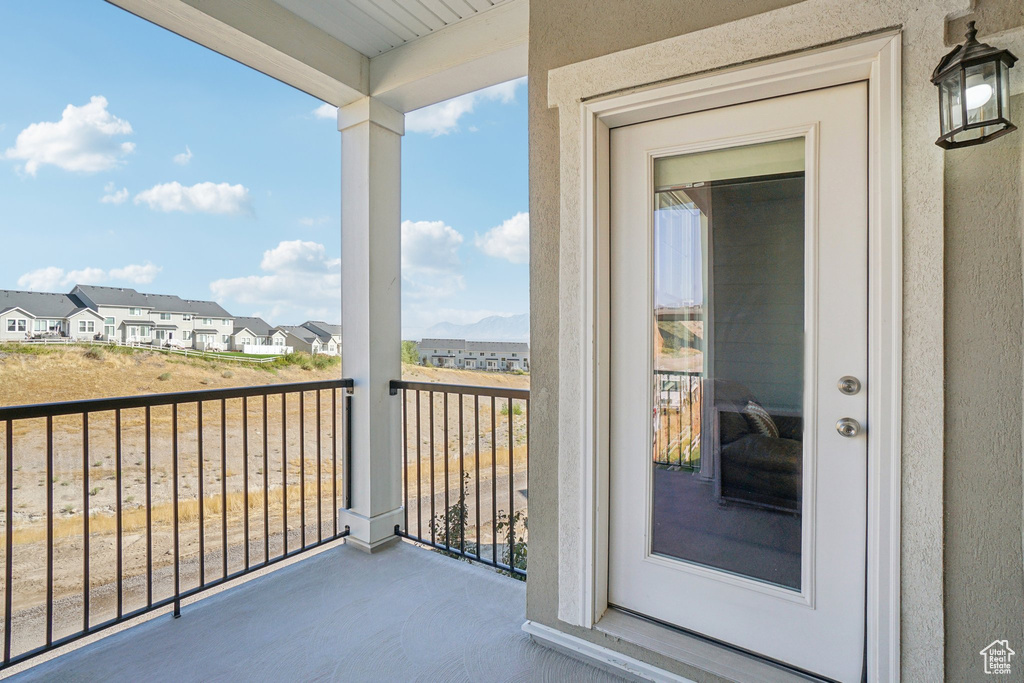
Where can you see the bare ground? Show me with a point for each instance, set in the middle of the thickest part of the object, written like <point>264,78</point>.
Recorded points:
<point>237,466</point>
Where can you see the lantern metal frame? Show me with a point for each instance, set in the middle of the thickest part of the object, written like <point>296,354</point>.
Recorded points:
<point>958,61</point>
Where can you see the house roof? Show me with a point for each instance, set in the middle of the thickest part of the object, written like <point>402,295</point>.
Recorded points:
<point>205,330</point>
<point>258,326</point>
<point>118,296</point>
<point>478,346</point>
<point>40,304</point>
<point>210,309</point>
<point>443,344</point>
<point>84,310</point>
<point>300,332</point>
<point>126,296</point>
<point>498,347</point>
<point>323,330</point>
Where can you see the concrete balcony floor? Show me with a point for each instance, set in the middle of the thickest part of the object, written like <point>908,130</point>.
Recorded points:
<point>403,614</point>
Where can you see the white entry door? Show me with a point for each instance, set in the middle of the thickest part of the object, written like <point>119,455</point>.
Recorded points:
<point>738,460</point>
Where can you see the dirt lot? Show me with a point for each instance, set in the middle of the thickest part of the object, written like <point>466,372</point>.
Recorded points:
<point>299,458</point>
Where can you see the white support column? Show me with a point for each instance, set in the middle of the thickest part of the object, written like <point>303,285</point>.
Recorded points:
<point>371,136</point>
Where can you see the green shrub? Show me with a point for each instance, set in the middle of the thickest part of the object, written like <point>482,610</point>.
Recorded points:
<point>163,377</point>
<point>449,527</point>
<point>227,374</point>
<point>94,353</point>
<point>513,551</point>
<point>410,352</point>
<point>517,409</point>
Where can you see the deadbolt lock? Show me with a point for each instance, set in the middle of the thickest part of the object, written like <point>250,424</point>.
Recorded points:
<point>849,385</point>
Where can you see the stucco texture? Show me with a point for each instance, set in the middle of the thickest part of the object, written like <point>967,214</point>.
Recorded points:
<point>564,32</point>
<point>934,605</point>
<point>984,575</point>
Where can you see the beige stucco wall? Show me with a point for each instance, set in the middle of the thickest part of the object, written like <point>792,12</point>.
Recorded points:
<point>984,579</point>
<point>567,31</point>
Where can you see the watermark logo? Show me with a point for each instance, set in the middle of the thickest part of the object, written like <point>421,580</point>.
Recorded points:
<point>997,657</point>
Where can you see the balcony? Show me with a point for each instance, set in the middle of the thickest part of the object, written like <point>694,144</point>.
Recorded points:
<point>401,614</point>
<point>220,507</point>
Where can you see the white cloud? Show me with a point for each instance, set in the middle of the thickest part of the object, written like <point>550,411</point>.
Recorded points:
<point>85,276</point>
<point>113,195</point>
<point>83,140</point>
<point>443,118</point>
<point>140,275</point>
<point>54,278</point>
<point>300,282</point>
<point>296,256</point>
<point>326,111</point>
<point>430,259</point>
<point>42,279</point>
<point>183,158</point>
<point>430,245</point>
<point>509,241</point>
<point>216,198</point>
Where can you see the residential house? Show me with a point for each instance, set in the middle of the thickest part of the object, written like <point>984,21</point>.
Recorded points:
<point>212,326</point>
<point>258,336</point>
<point>40,315</point>
<point>303,339</point>
<point>330,336</point>
<point>135,317</point>
<point>475,355</point>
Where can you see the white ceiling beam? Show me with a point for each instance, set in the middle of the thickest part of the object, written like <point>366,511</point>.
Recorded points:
<point>483,50</point>
<point>267,37</point>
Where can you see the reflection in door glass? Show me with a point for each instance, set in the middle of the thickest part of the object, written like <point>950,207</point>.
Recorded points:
<point>728,359</point>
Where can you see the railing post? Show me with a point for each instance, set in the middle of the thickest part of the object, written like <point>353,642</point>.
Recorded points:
<point>371,135</point>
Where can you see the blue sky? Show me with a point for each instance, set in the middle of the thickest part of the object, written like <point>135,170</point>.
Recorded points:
<point>132,157</point>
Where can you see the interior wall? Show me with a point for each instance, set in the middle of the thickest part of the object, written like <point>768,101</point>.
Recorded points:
<point>757,230</point>
<point>984,573</point>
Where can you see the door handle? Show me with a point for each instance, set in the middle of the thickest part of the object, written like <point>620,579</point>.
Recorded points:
<point>848,427</point>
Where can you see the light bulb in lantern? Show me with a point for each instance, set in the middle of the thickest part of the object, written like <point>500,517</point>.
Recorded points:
<point>978,96</point>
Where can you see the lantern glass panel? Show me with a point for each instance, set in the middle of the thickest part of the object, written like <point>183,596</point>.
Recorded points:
<point>1004,91</point>
<point>982,99</point>
<point>950,100</point>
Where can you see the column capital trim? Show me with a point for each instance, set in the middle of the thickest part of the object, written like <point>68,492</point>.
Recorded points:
<point>373,110</point>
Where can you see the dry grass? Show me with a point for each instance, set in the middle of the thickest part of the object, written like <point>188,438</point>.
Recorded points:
<point>67,374</point>
<point>134,519</point>
<point>420,373</point>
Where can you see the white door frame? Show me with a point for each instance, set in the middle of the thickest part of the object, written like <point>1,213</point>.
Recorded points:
<point>876,60</point>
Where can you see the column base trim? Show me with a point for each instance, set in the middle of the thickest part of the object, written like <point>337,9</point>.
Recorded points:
<point>371,533</point>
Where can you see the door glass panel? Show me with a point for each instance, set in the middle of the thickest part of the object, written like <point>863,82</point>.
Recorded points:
<point>728,360</point>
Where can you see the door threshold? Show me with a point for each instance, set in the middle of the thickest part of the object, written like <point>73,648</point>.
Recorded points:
<point>695,650</point>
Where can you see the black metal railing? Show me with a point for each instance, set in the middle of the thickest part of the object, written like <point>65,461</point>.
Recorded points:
<point>79,557</point>
<point>678,401</point>
<point>483,432</point>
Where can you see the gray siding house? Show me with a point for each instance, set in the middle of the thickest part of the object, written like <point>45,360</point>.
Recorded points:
<point>475,355</point>
<point>136,317</point>
<point>39,315</point>
<point>330,336</point>
<point>303,339</point>
<point>256,332</point>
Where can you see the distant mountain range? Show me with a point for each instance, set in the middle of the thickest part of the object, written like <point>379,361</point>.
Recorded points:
<point>494,328</point>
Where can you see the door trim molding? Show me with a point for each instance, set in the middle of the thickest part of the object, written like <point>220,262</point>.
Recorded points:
<point>583,392</point>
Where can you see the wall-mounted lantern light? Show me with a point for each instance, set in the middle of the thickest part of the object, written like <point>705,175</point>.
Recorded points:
<point>974,93</point>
